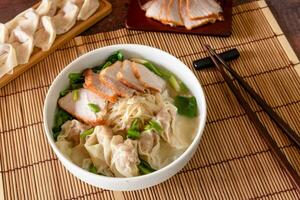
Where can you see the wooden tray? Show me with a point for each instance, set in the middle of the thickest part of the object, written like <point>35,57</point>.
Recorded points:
<point>137,20</point>
<point>37,55</point>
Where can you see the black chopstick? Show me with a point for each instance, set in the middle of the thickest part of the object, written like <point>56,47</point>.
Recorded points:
<point>256,122</point>
<point>265,106</point>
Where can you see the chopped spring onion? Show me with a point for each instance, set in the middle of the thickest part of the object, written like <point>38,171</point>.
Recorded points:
<point>153,125</point>
<point>183,88</point>
<point>60,118</point>
<point>109,61</point>
<point>64,92</point>
<point>145,168</point>
<point>75,95</point>
<point>133,134</point>
<point>93,169</point>
<point>86,132</point>
<point>134,130</point>
<point>174,83</point>
<point>94,107</point>
<point>186,106</point>
<point>76,80</point>
<point>115,57</point>
<point>107,64</point>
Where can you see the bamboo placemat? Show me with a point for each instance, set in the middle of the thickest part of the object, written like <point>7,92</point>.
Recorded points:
<point>232,162</point>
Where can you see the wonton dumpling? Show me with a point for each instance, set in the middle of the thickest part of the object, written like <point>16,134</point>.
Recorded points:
<point>87,8</point>
<point>166,117</point>
<point>71,131</point>
<point>155,151</point>
<point>45,36</point>
<point>23,44</point>
<point>8,59</point>
<point>47,7</point>
<point>99,148</point>
<point>125,159</point>
<point>65,19</point>
<point>3,33</point>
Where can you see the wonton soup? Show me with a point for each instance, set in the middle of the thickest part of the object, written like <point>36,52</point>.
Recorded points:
<point>124,118</point>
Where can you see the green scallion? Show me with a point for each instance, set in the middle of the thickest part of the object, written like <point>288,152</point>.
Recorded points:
<point>133,134</point>
<point>93,169</point>
<point>153,125</point>
<point>145,168</point>
<point>75,94</point>
<point>94,107</point>
<point>86,133</point>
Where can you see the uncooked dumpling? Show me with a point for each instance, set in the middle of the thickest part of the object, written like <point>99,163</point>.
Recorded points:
<point>87,8</point>
<point>47,7</point>
<point>65,18</point>
<point>23,44</point>
<point>45,36</point>
<point>3,33</point>
<point>8,59</point>
<point>27,21</point>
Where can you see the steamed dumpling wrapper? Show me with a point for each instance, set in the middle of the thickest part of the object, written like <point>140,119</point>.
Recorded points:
<point>8,59</point>
<point>155,151</point>
<point>45,36</point>
<point>174,125</point>
<point>99,148</point>
<point>71,131</point>
<point>87,8</point>
<point>66,17</point>
<point>47,7</point>
<point>70,144</point>
<point>22,43</point>
<point>125,159</point>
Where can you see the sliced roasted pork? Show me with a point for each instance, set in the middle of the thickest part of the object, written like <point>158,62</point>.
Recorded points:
<point>81,106</point>
<point>199,9</point>
<point>148,78</point>
<point>127,77</point>
<point>192,23</point>
<point>93,83</point>
<point>109,77</point>
<point>155,9</point>
<point>173,13</point>
<point>147,5</point>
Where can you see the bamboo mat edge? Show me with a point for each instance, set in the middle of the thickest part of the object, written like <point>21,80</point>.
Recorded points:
<point>281,38</point>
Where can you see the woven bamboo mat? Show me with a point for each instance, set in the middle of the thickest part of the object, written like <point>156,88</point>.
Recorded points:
<point>232,162</point>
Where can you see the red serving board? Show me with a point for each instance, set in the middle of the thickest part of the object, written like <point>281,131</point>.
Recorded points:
<point>137,20</point>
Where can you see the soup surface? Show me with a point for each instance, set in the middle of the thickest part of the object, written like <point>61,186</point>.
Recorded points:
<point>124,118</point>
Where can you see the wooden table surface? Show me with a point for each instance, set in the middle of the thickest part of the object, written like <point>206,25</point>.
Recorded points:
<point>287,14</point>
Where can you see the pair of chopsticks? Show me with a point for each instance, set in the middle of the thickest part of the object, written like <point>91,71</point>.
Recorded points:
<point>220,63</point>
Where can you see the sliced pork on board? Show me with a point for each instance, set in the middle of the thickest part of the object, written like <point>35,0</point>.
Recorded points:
<point>188,13</point>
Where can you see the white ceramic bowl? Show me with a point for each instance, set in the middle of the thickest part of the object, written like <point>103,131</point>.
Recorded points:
<point>97,57</point>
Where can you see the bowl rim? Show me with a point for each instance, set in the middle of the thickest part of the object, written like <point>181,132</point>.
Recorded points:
<point>64,159</point>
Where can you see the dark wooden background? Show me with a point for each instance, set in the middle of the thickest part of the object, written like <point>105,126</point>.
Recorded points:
<point>287,13</point>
